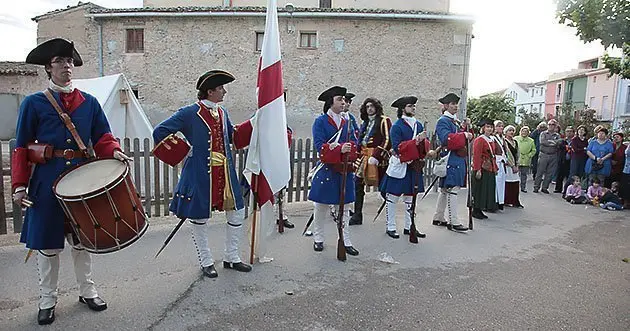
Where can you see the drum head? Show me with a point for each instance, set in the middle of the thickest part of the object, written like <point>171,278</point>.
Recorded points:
<point>90,177</point>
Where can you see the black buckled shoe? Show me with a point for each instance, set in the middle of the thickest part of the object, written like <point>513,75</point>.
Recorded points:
<point>439,223</point>
<point>210,271</point>
<point>356,219</point>
<point>352,251</point>
<point>393,234</point>
<point>46,316</point>
<point>458,227</point>
<point>287,224</point>
<point>478,214</point>
<point>318,247</point>
<point>96,304</point>
<point>238,266</point>
<point>418,233</point>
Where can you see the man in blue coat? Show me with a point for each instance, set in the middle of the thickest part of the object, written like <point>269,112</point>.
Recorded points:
<point>44,227</point>
<point>453,142</point>
<point>208,180</point>
<point>404,175</point>
<point>333,138</point>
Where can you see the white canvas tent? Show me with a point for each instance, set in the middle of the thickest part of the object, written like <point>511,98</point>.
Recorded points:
<point>123,110</point>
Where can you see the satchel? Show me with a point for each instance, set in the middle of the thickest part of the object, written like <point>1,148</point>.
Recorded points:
<point>371,175</point>
<point>439,166</point>
<point>596,166</point>
<point>395,168</point>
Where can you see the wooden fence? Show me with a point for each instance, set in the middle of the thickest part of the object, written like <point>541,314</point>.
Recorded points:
<point>156,186</point>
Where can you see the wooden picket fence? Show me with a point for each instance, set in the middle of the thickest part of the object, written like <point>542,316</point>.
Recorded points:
<point>156,186</point>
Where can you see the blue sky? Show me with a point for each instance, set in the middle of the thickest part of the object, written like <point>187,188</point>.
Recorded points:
<point>515,40</point>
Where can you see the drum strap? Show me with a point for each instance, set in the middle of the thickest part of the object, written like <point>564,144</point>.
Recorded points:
<point>65,118</point>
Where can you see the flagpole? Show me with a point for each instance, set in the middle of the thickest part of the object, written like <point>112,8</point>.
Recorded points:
<point>253,241</point>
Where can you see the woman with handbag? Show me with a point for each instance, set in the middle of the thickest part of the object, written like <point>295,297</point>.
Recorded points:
<point>484,169</point>
<point>599,152</point>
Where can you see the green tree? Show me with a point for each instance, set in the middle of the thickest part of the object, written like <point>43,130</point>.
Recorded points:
<point>492,107</point>
<point>529,119</point>
<point>605,20</point>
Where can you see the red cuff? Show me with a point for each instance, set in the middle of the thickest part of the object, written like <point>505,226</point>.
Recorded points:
<point>171,150</point>
<point>106,145</point>
<point>242,134</point>
<point>408,151</point>
<point>456,141</point>
<point>326,155</point>
<point>20,168</point>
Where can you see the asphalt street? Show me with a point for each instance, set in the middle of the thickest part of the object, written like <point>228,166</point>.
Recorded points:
<point>550,266</point>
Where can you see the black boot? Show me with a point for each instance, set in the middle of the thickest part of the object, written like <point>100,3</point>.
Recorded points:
<point>359,193</point>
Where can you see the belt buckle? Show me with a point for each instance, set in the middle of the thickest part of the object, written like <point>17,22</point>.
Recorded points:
<point>68,154</point>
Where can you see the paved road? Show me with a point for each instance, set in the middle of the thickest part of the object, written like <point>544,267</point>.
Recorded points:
<point>551,266</point>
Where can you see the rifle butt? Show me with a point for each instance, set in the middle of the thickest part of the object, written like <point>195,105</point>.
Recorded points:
<point>413,237</point>
<point>341,250</point>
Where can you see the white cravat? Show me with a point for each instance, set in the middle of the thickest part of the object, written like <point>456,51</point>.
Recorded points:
<point>60,89</point>
<point>209,104</point>
<point>412,123</point>
<point>336,117</point>
<point>449,115</point>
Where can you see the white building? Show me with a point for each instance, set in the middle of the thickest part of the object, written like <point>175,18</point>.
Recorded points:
<point>527,96</point>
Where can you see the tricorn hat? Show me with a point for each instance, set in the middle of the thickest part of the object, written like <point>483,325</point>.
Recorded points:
<point>451,97</point>
<point>484,122</point>
<point>214,78</point>
<point>349,96</point>
<point>44,52</point>
<point>404,101</point>
<point>332,92</point>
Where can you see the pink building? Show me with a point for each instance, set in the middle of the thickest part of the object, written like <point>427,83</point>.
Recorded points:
<point>554,95</point>
<point>601,90</point>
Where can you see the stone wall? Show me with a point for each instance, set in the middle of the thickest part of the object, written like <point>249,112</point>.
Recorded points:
<point>379,58</point>
<point>424,5</point>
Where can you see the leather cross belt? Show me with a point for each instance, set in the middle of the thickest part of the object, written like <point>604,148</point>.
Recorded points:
<point>68,154</point>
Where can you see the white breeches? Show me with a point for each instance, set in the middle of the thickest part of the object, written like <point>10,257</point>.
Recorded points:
<point>233,233</point>
<point>48,270</point>
<point>322,215</point>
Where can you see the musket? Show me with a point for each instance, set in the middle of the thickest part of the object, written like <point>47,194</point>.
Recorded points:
<point>469,201</point>
<point>413,237</point>
<point>280,216</point>
<point>341,247</point>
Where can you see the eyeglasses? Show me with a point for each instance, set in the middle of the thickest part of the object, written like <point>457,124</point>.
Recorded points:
<point>63,60</point>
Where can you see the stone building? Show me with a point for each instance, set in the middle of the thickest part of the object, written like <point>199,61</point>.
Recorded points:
<point>417,48</point>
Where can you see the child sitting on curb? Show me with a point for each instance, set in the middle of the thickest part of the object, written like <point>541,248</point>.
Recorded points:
<point>574,194</point>
<point>610,200</point>
<point>594,192</point>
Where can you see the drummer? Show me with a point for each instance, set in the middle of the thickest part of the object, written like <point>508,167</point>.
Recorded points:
<point>44,228</point>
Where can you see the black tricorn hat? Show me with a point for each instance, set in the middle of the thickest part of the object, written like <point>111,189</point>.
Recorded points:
<point>451,97</point>
<point>404,101</point>
<point>332,92</point>
<point>484,122</point>
<point>214,78</point>
<point>349,96</point>
<point>44,52</point>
